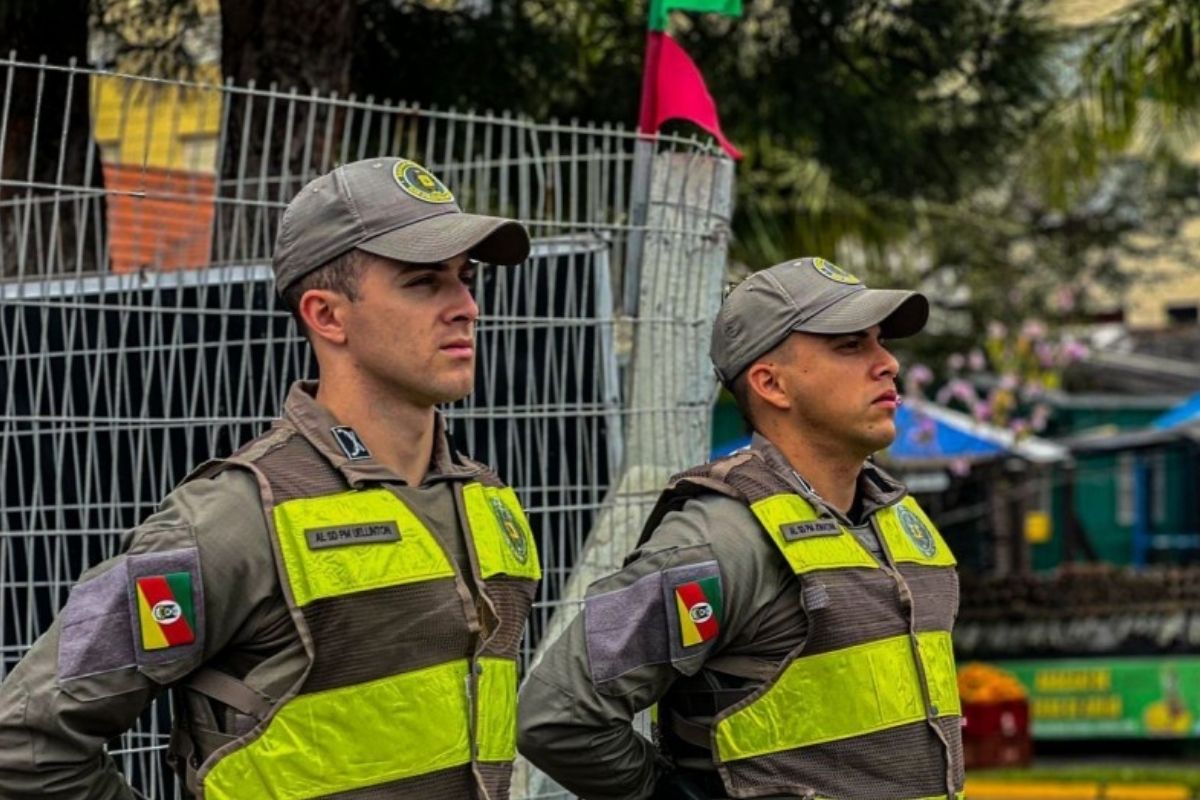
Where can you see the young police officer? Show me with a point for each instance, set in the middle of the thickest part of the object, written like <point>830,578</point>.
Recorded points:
<point>338,605</point>
<point>789,608</point>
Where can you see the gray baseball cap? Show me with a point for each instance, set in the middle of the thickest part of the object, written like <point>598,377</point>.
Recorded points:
<point>391,207</point>
<point>810,295</point>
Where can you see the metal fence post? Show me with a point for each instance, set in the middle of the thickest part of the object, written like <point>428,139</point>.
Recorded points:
<point>679,291</point>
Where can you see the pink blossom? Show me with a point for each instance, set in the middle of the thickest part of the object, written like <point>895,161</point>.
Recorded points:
<point>1009,382</point>
<point>1031,390</point>
<point>982,411</point>
<point>962,390</point>
<point>1019,427</point>
<point>1033,329</point>
<point>1039,417</point>
<point>1046,354</point>
<point>960,467</point>
<point>918,375</point>
<point>976,360</point>
<point>1074,351</point>
<point>1064,299</point>
<point>955,361</point>
<point>996,330</point>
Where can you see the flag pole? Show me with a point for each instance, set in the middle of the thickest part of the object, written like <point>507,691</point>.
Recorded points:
<point>639,189</point>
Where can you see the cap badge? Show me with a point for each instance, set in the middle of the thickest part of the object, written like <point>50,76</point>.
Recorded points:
<point>834,272</point>
<point>420,183</point>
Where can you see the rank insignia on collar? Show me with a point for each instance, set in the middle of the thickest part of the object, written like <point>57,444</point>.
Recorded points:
<point>351,445</point>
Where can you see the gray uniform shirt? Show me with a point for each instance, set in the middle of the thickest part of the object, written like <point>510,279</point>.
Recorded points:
<point>577,705</point>
<point>75,689</point>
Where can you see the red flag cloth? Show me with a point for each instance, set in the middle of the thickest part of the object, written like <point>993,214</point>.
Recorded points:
<point>673,88</point>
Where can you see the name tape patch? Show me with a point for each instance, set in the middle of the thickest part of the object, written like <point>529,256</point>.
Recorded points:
<point>807,530</point>
<point>364,533</point>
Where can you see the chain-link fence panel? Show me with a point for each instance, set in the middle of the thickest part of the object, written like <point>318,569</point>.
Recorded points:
<point>140,334</point>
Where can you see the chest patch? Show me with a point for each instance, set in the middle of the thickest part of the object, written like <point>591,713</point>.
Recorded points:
<point>362,533</point>
<point>916,531</point>
<point>514,537</point>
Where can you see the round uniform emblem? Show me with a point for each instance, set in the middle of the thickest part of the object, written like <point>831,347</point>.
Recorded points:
<point>915,529</point>
<point>700,612</point>
<point>166,612</point>
<point>512,531</point>
<point>420,183</point>
<point>834,272</point>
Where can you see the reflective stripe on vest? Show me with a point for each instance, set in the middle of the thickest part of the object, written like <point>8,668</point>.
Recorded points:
<point>843,693</point>
<point>908,533</point>
<point>338,740</point>
<point>405,725</point>
<point>856,690</point>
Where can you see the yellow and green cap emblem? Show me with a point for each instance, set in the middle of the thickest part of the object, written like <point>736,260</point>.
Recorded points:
<point>420,183</point>
<point>834,272</point>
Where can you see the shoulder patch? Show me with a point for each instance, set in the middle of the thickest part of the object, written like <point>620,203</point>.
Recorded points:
<point>166,611</point>
<point>166,606</point>
<point>695,607</point>
<point>145,610</point>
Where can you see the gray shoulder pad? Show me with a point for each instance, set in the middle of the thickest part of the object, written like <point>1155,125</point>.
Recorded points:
<point>663,608</point>
<point>146,610</point>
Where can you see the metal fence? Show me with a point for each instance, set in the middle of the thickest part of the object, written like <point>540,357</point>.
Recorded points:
<point>139,334</point>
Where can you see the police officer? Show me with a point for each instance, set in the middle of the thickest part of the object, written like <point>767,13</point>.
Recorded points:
<point>338,605</point>
<point>789,608</point>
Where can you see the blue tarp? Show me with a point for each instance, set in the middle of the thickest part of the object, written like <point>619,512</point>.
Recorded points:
<point>926,437</point>
<point>1187,411</point>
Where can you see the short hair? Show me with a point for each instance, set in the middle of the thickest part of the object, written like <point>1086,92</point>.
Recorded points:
<point>739,387</point>
<point>340,274</point>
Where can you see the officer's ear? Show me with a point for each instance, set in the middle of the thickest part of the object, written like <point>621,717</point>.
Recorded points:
<point>323,312</point>
<point>765,384</point>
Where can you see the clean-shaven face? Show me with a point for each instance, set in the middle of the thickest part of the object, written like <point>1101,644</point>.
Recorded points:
<point>411,329</point>
<point>842,388</point>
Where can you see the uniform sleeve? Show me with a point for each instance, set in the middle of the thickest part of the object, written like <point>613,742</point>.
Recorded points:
<point>131,626</point>
<point>678,600</point>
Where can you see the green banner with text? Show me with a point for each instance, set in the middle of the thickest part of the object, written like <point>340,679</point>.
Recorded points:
<point>1111,697</point>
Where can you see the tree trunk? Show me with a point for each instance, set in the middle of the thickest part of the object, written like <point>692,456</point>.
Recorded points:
<point>51,219</point>
<point>301,45</point>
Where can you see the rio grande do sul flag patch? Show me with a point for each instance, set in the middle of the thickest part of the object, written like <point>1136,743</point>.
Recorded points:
<point>700,605</point>
<point>166,610</point>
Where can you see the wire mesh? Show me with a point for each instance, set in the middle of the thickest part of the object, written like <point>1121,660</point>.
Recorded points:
<point>139,332</point>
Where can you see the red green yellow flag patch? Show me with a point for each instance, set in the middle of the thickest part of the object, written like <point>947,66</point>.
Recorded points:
<point>166,611</point>
<point>700,605</point>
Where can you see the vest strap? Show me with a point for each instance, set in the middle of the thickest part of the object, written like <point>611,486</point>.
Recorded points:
<point>230,691</point>
<point>748,667</point>
<point>694,733</point>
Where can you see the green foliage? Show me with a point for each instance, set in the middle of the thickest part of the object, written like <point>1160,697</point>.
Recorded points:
<point>968,146</point>
<point>1149,55</point>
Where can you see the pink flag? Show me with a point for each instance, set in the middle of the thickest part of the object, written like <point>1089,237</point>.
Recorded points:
<point>673,88</point>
